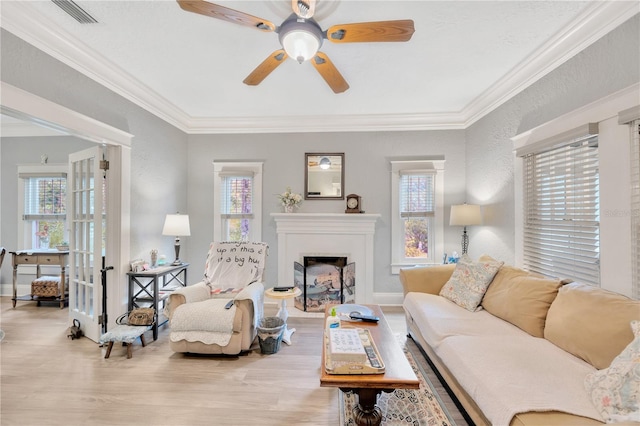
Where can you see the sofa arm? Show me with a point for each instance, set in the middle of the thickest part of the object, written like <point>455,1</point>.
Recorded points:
<point>193,293</point>
<point>425,279</point>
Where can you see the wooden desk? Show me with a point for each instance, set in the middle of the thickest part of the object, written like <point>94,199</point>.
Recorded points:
<point>398,372</point>
<point>146,290</point>
<point>38,258</point>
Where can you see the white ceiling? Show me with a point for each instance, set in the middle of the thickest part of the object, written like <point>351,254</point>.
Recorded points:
<point>465,59</point>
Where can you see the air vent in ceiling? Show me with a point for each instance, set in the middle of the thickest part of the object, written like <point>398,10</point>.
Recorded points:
<point>75,11</point>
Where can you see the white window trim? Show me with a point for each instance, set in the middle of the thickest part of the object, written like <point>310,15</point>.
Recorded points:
<point>231,166</point>
<point>602,110</point>
<point>436,246</point>
<point>26,169</point>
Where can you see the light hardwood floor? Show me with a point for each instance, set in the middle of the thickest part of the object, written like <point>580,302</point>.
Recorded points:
<point>48,379</point>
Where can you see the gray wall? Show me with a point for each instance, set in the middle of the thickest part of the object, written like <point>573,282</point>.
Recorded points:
<point>610,64</point>
<point>367,174</point>
<point>481,172</point>
<point>158,153</point>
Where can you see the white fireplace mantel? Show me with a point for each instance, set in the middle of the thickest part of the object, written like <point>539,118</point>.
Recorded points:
<point>327,234</point>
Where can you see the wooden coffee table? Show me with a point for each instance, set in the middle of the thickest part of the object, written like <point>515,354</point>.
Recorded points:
<point>398,372</point>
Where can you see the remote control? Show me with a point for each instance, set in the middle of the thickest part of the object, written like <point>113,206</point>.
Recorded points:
<point>367,318</point>
<point>371,354</point>
<point>282,288</point>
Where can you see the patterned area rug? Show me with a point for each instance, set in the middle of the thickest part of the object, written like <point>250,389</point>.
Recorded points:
<point>404,406</point>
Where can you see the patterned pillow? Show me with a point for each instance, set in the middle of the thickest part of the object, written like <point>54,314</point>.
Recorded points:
<point>470,281</point>
<point>615,391</point>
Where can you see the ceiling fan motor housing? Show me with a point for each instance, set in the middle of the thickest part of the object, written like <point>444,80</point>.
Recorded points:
<point>301,38</point>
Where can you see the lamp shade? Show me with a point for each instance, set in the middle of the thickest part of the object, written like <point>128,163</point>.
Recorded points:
<point>176,225</point>
<point>465,215</point>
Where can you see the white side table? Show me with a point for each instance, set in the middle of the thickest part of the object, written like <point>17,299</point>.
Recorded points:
<point>282,312</point>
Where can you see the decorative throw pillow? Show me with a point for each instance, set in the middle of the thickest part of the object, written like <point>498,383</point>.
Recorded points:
<point>470,281</point>
<point>615,391</point>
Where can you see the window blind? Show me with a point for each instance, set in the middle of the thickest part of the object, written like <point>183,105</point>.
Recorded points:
<point>417,193</point>
<point>635,207</point>
<point>562,209</point>
<point>237,196</point>
<point>45,197</point>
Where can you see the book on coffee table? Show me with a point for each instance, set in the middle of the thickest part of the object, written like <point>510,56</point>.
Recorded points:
<point>351,351</point>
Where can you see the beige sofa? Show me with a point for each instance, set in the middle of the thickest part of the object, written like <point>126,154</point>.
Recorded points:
<point>527,321</point>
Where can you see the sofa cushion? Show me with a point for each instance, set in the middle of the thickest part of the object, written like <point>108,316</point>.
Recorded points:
<point>615,391</point>
<point>591,323</point>
<point>438,319</point>
<point>469,282</point>
<point>425,279</point>
<point>521,299</point>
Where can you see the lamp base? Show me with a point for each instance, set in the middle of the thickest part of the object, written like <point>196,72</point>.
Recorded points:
<point>465,241</point>
<point>177,262</point>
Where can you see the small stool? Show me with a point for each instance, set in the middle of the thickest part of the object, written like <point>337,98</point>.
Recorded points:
<point>127,334</point>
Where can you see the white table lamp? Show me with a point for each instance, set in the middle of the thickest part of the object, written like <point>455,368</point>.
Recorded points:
<point>465,215</point>
<point>177,225</point>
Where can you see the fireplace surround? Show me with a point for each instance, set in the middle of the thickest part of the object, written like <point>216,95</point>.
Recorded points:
<point>327,234</point>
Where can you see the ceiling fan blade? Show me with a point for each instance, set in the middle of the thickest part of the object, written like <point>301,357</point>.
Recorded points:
<point>220,12</point>
<point>304,8</point>
<point>265,68</point>
<point>401,30</point>
<point>329,72</point>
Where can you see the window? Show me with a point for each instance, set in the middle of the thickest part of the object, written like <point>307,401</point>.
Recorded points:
<point>238,201</point>
<point>562,208</point>
<point>417,209</point>
<point>417,225</point>
<point>42,193</point>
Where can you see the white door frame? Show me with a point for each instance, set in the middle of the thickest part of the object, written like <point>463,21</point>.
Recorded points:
<point>32,108</point>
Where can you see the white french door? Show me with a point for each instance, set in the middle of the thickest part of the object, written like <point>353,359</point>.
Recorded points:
<point>86,218</point>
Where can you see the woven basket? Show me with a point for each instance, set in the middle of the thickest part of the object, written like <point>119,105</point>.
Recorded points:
<point>46,287</point>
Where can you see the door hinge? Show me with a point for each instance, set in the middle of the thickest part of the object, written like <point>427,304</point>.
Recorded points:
<point>104,165</point>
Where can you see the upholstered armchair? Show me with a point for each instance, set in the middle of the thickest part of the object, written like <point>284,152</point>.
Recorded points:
<point>221,313</point>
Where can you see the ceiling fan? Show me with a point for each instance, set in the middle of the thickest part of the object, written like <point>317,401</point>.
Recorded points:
<point>301,37</point>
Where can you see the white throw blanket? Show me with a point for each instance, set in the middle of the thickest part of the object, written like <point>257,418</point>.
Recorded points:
<point>507,375</point>
<point>208,321</point>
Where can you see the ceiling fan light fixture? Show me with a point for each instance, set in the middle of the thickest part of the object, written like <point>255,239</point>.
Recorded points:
<point>300,45</point>
<point>300,38</point>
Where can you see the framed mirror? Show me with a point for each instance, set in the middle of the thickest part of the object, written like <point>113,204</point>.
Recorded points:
<point>324,176</point>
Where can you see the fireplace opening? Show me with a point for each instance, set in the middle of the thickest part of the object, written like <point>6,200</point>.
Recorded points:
<point>324,280</point>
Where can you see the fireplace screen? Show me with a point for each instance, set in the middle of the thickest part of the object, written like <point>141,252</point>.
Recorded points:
<point>324,280</point>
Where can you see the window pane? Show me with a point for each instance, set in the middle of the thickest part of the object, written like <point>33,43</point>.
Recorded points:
<point>416,237</point>
<point>45,196</point>
<point>417,193</point>
<point>562,212</point>
<point>237,195</point>
<point>237,229</point>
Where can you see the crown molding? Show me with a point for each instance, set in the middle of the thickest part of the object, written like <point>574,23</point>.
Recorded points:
<point>27,23</point>
<point>327,123</point>
<point>593,23</point>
